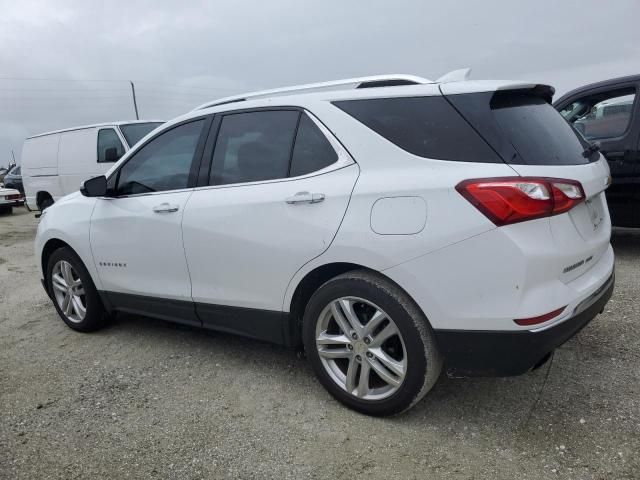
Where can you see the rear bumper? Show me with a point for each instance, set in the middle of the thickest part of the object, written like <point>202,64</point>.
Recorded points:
<point>502,353</point>
<point>12,203</point>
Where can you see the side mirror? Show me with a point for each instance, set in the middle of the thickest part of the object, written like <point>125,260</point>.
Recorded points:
<point>111,155</point>
<point>95,187</point>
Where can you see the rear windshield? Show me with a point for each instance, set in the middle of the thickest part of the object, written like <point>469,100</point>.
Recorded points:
<point>425,126</point>
<point>523,128</point>
<point>134,132</point>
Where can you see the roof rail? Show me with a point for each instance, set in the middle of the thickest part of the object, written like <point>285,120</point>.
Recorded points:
<point>358,82</point>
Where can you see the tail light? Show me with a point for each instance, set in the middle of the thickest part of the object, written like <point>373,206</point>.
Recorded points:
<point>508,200</point>
<point>13,197</point>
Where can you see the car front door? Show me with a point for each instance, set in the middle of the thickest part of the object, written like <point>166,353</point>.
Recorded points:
<point>136,235</point>
<point>611,116</point>
<point>278,187</point>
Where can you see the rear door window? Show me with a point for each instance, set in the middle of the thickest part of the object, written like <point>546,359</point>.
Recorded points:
<point>312,151</point>
<point>425,126</point>
<point>253,146</point>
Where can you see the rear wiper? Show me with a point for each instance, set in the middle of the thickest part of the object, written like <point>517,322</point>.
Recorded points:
<point>591,149</point>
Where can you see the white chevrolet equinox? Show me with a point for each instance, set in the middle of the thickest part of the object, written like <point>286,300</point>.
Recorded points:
<point>390,226</point>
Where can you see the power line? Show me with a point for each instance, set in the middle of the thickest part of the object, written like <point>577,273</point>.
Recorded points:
<point>77,80</point>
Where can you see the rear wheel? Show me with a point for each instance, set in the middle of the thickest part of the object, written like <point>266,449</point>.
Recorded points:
<point>6,210</point>
<point>74,295</point>
<point>369,344</point>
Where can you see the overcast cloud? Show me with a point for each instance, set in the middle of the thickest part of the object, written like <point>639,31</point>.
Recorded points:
<point>181,54</point>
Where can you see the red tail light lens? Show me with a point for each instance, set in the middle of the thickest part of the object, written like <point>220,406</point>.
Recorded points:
<point>13,197</point>
<point>510,200</point>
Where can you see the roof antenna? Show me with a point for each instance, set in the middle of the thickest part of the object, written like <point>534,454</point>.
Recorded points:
<point>460,75</point>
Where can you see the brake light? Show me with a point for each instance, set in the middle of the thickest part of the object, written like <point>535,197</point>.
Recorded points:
<point>13,197</point>
<point>508,200</point>
<point>540,318</point>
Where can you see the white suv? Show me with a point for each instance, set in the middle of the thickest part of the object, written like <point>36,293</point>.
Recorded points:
<point>390,226</point>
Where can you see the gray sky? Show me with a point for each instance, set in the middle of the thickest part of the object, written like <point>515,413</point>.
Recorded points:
<point>65,63</point>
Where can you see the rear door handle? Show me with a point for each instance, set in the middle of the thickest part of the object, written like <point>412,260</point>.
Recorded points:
<point>305,197</point>
<point>165,208</point>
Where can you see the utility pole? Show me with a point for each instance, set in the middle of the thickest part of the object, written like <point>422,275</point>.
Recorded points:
<point>135,105</point>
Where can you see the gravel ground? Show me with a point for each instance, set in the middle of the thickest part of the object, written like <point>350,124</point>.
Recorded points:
<point>148,399</point>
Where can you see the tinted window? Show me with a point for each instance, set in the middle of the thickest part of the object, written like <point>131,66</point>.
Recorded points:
<point>522,127</point>
<point>133,132</point>
<point>108,140</point>
<point>601,116</point>
<point>253,146</point>
<point>162,164</point>
<point>425,126</point>
<point>312,151</point>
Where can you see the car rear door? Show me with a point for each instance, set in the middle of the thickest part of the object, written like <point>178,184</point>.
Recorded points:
<point>275,187</point>
<point>610,115</point>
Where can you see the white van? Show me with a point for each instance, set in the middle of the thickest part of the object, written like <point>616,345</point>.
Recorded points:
<point>55,164</point>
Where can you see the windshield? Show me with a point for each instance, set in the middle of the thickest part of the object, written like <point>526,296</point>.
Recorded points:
<point>134,132</point>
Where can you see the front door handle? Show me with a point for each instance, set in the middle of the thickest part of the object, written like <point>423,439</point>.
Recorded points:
<point>305,197</point>
<point>165,208</point>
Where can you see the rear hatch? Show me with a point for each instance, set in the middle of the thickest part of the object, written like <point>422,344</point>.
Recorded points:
<point>520,124</point>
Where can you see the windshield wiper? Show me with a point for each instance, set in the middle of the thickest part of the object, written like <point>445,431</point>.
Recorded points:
<point>591,149</point>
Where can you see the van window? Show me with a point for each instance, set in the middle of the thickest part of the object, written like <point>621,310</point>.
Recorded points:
<point>162,164</point>
<point>312,151</point>
<point>253,146</point>
<point>110,147</point>
<point>133,132</point>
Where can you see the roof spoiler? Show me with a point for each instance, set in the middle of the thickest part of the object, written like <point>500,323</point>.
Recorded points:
<point>460,75</point>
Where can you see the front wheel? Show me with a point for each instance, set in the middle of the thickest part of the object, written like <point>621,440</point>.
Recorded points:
<point>74,295</point>
<point>369,344</point>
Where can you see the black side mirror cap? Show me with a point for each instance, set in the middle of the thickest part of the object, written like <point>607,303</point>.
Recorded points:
<point>95,187</point>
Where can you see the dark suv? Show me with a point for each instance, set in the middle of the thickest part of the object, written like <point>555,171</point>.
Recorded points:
<point>607,113</point>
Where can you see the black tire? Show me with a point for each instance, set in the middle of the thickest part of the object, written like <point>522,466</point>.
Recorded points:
<point>424,362</point>
<point>6,210</point>
<point>45,203</point>
<point>96,316</point>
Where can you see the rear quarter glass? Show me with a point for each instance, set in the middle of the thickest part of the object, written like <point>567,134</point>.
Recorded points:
<point>522,127</point>
<point>425,126</point>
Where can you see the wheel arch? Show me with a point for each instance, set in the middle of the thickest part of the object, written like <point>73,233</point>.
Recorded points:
<point>49,247</point>
<point>313,280</point>
<point>41,196</point>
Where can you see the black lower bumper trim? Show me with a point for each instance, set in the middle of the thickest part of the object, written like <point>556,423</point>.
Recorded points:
<point>500,353</point>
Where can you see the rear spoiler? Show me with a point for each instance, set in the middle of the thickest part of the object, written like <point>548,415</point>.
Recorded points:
<point>455,87</point>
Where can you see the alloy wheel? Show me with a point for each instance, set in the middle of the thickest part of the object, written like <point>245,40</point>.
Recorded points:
<point>68,291</point>
<point>361,348</point>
